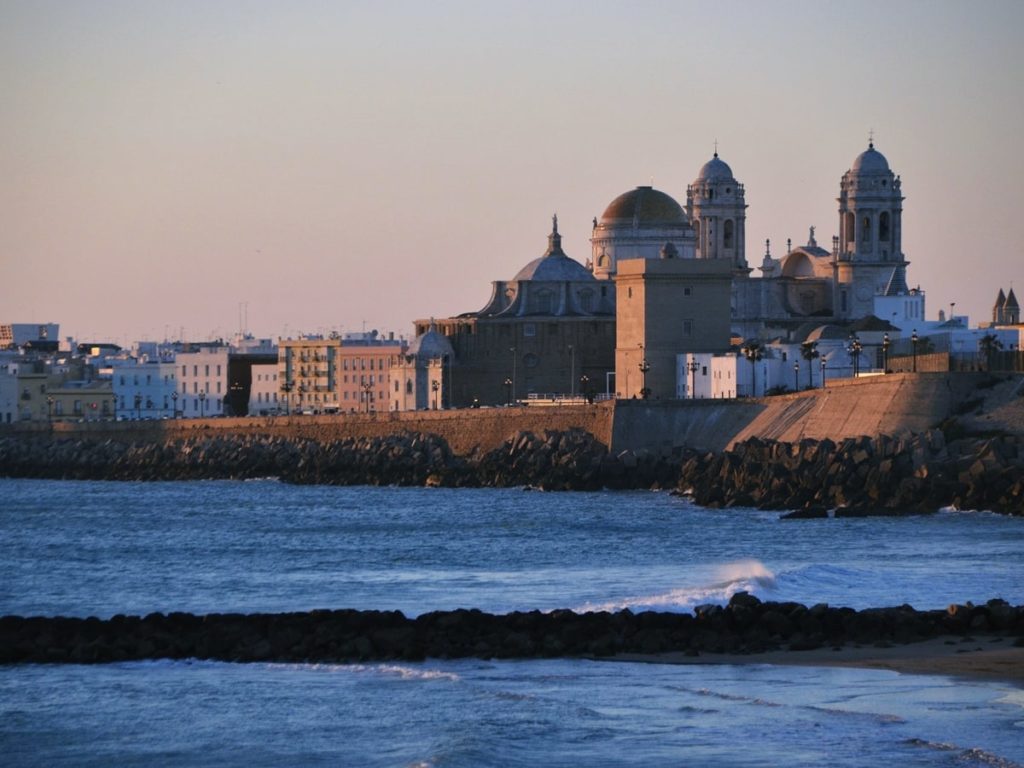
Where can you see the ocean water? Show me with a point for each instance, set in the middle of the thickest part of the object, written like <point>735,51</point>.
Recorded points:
<point>92,548</point>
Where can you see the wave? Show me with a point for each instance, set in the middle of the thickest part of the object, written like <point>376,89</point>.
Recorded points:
<point>751,576</point>
<point>739,576</point>
<point>968,755</point>
<point>382,670</point>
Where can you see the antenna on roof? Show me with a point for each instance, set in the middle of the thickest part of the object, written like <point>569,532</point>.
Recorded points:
<point>871,138</point>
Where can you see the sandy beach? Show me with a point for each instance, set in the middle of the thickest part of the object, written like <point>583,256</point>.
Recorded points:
<point>990,658</point>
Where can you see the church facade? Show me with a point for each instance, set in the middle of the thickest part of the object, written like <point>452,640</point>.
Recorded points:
<point>552,329</point>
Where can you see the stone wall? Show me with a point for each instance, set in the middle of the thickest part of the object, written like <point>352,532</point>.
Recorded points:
<point>881,405</point>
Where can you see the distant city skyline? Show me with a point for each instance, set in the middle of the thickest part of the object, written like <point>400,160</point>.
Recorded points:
<point>177,169</point>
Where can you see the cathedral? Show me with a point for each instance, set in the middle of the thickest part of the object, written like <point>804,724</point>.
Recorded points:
<point>807,284</point>
<point>552,329</point>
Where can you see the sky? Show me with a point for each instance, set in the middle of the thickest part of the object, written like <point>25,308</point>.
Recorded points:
<point>185,169</point>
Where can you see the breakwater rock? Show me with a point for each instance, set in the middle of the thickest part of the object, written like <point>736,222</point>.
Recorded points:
<point>862,476</point>
<point>570,460</point>
<point>745,625</point>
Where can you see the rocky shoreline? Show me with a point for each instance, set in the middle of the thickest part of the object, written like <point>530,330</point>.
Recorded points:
<point>880,475</point>
<point>746,625</point>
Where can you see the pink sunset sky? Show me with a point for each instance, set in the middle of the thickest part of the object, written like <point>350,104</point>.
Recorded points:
<point>322,165</point>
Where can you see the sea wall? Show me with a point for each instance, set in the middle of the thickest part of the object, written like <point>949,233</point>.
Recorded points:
<point>889,405</point>
<point>745,625</point>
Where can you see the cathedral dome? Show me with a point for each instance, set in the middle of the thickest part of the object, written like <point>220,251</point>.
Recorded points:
<point>715,169</point>
<point>431,345</point>
<point>644,206</point>
<point>554,264</point>
<point>554,267</point>
<point>870,161</point>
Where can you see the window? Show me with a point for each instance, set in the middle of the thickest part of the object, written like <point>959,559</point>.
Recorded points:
<point>727,236</point>
<point>218,369</point>
<point>78,407</point>
<point>687,328</point>
<point>195,370</point>
<point>850,228</point>
<point>207,372</point>
<point>865,229</point>
<point>883,227</point>
<point>529,329</point>
<point>184,371</point>
<point>687,291</point>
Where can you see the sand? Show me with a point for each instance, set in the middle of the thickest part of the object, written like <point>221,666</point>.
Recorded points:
<point>988,658</point>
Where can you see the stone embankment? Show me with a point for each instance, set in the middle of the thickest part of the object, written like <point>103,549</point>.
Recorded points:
<point>572,460</point>
<point>864,476</point>
<point>745,625</point>
<point>857,476</point>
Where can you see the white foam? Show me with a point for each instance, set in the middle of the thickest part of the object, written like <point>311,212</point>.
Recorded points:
<point>738,576</point>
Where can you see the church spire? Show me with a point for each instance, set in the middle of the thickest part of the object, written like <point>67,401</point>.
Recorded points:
<point>554,239</point>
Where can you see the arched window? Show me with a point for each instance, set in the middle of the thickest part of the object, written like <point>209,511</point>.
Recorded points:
<point>865,229</point>
<point>850,228</point>
<point>727,234</point>
<point>883,227</point>
<point>408,386</point>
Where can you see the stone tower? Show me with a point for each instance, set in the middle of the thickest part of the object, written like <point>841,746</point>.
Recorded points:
<point>870,233</point>
<point>717,211</point>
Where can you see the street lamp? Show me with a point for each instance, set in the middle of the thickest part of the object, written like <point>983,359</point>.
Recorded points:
<point>49,409</point>
<point>585,387</point>
<point>367,386</point>
<point>572,371</point>
<point>822,373</point>
<point>513,351</point>
<point>644,367</point>
<point>508,386</point>
<point>202,405</point>
<point>855,348</point>
<point>796,376</point>
<point>885,352</point>
<point>434,386</point>
<point>174,401</point>
<point>913,342</point>
<point>692,365</point>
<point>287,389</point>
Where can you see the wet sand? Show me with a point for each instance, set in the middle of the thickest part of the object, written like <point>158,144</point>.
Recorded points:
<point>988,658</point>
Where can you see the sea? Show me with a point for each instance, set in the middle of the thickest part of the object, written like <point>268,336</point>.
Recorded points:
<point>80,548</point>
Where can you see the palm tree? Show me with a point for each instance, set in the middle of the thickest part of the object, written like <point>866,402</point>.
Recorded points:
<point>753,350</point>
<point>989,344</point>
<point>809,351</point>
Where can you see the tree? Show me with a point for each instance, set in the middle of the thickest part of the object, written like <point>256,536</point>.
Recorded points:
<point>753,350</point>
<point>809,351</point>
<point>989,344</point>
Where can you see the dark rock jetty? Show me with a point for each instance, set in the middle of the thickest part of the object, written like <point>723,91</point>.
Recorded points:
<point>862,476</point>
<point>884,475</point>
<point>746,625</point>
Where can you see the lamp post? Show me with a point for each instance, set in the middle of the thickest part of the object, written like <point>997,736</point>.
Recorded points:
<point>572,371</point>
<point>823,373</point>
<point>692,365</point>
<point>287,389</point>
<point>434,386</point>
<point>138,405</point>
<point>367,394</point>
<point>512,399</point>
<point>885,352</point>
<point>508,388</point>
<point>202,405</point>
<point>855,348</point>
<point>796,376</point>
<point>585,387</point>
<point>49,409</point>
<point>644,367</point>
<point>913,343</point>
<point>174,403</point>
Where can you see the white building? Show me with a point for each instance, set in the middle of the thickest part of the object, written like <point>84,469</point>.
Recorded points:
<point>202,382</point>
<point>264,394</point>
<point>144,389</point>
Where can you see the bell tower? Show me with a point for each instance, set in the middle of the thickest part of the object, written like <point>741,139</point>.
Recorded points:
<point>870,232</point>
<point>716,208</point>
